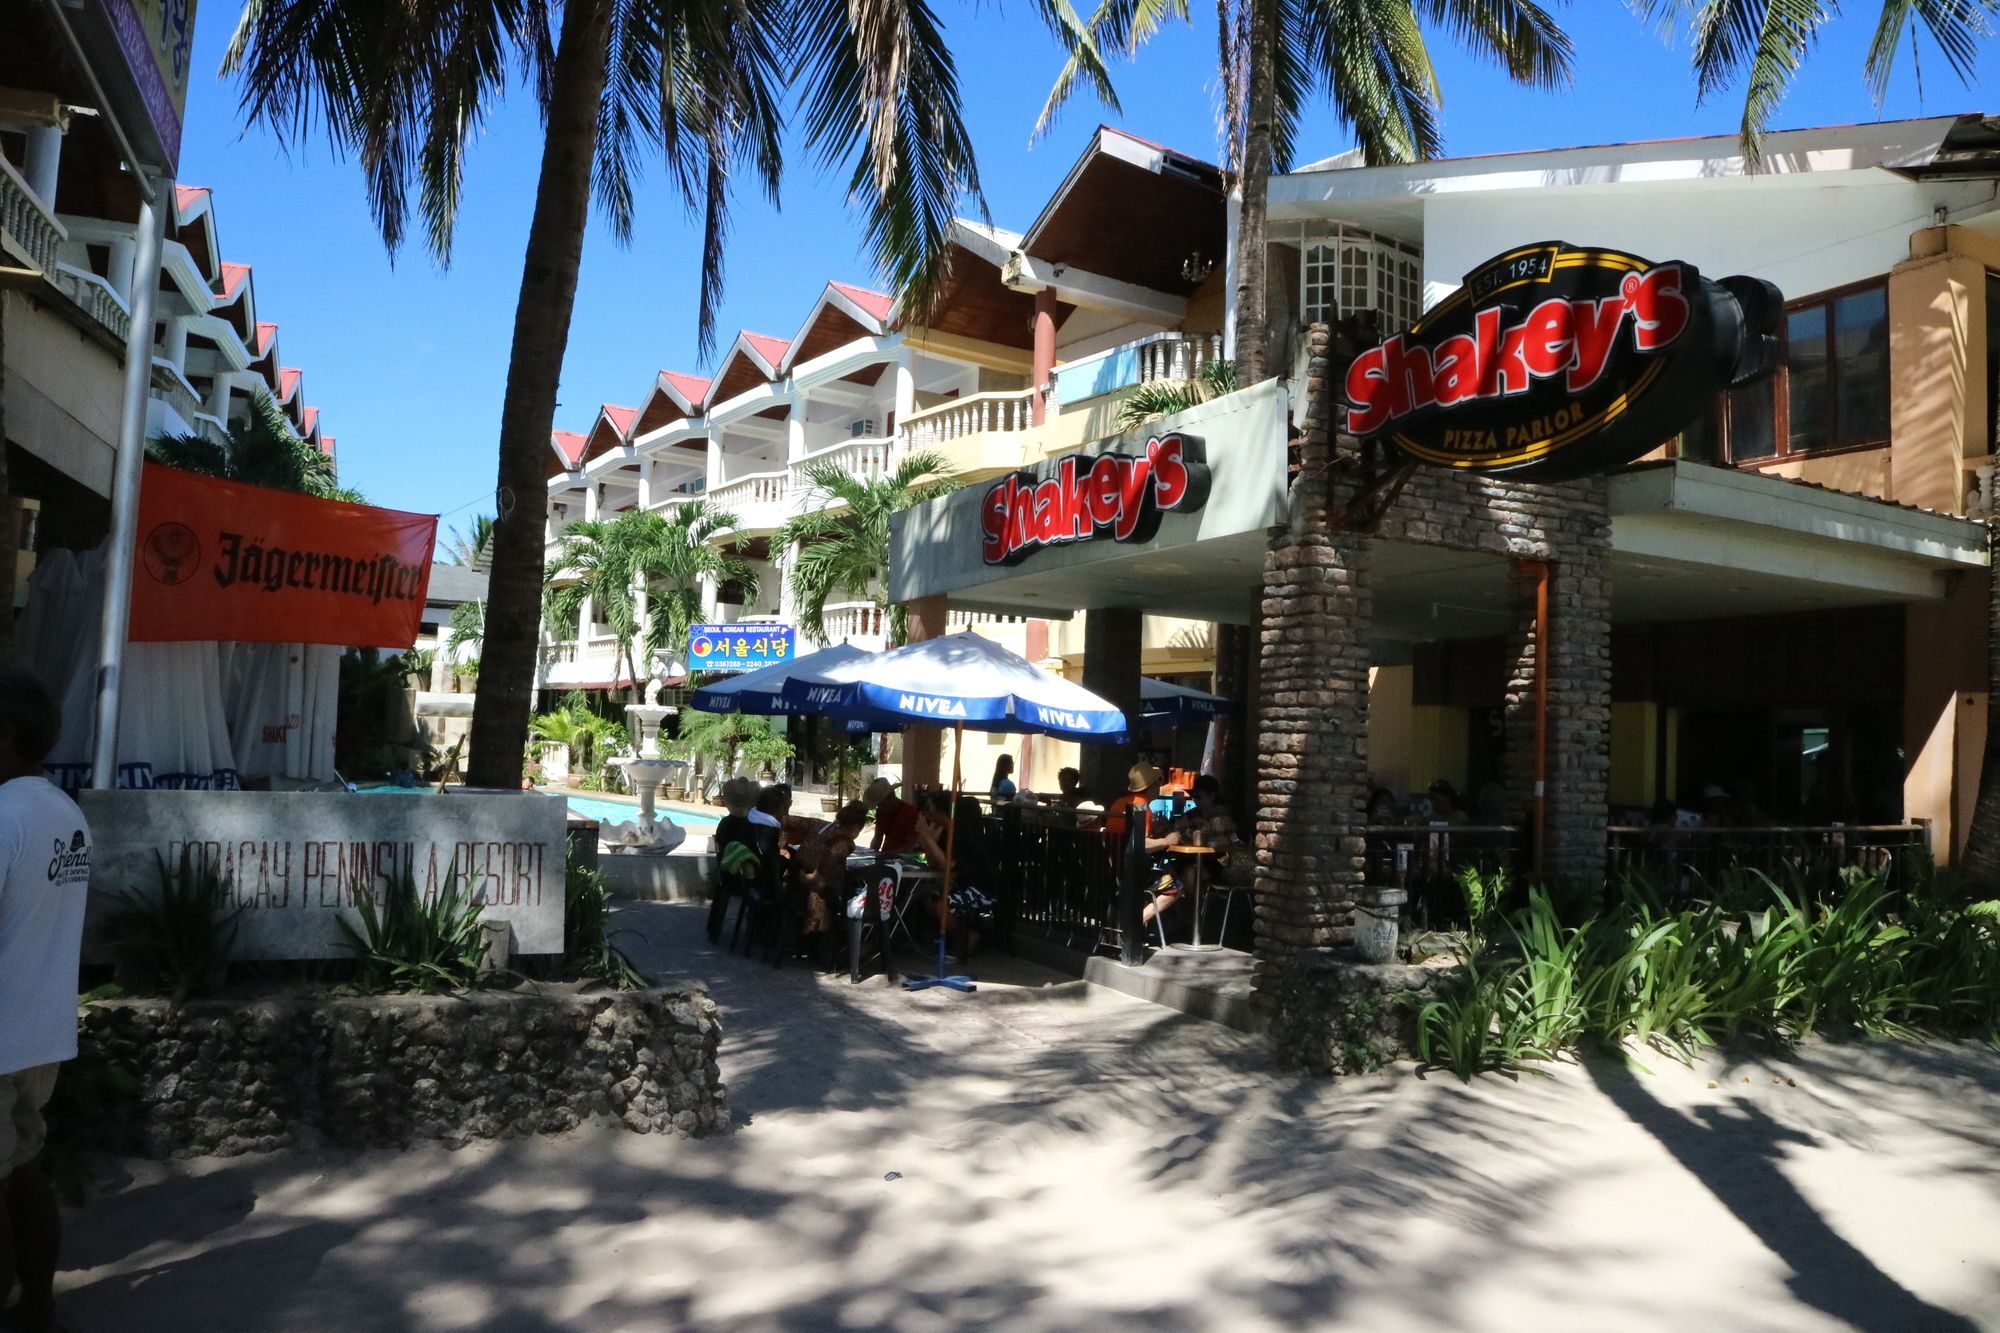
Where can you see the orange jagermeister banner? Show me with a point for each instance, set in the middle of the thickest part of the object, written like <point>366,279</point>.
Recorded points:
<point>222,560</point>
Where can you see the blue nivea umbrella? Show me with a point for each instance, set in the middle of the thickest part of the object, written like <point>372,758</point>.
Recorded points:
<point>763,690</point>
<point>969,684</point>
<point>1160,701</point>
<point>960,680</point>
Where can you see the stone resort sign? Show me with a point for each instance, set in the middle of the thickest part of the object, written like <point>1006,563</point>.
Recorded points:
<point>1555,361</point>
<point>293,861</point>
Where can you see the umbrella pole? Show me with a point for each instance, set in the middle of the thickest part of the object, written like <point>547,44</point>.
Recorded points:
<point>960,983</point>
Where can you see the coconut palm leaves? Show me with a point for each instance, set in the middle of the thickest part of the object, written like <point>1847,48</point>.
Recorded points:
<point>1162,398</point>
<point>1763,43</point>
<point>667,556</point>
<point>1367,58</point>
<point>472,548</point>
<point>264,451</point>
<point>840,543</point>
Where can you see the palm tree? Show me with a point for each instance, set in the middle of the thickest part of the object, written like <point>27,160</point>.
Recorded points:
<point>404,88</point>
<point>667,556</point>
<point>473,548</point>
<point>1763,42</point>
<point>840,542</point>
<point>466,630</point>
<point>1162,398</point>
<point>263,451</point>
<point>1368,58</point>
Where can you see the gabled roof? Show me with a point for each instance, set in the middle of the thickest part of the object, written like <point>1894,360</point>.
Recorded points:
<point>612,429</point>
<point>288,382</point>
<point>568,446</point>
<point>267,338</point>
<point>1087,223</point>
<point>234,276</point>
<point>879,304</point>
<point>673,397</point>
<point>621,418</point>
<point>753,359</point>
<point>309,421</point>
<point>187,198</point>
<point>326,445</point>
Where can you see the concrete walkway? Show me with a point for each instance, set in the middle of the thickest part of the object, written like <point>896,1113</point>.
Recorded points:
<point>1066,1158</point>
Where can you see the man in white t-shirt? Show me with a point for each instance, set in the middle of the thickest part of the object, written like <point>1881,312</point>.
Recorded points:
<point>44,878</point>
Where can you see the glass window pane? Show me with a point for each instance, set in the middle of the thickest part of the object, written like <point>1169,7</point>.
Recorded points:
<point>1753,422</point>
<point>1805,369</point>
<point>1861,346</point>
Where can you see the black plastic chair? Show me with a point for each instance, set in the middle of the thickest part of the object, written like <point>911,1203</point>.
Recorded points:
<point>762,899</point>
<point>871,920</point>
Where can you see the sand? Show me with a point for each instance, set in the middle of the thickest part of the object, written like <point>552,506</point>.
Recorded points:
<point>1068,1158</point>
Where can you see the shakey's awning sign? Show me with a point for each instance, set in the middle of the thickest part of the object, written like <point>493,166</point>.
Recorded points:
<point>1081,497</point>
<point>225,561</point>
<point>1555,361</point>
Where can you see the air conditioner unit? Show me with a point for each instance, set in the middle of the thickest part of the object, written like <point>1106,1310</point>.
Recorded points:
<point>861,428</point>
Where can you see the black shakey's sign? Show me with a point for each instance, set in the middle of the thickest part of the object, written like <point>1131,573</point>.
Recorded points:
<point>1556,361</point>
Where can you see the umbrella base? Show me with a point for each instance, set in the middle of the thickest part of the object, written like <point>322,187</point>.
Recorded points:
<point>957,983</point>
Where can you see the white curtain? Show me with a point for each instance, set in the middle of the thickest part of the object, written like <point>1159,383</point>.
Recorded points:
<point>282,701</point>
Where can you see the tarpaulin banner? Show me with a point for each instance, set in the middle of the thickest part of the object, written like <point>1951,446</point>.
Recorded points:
<point>225,561</point>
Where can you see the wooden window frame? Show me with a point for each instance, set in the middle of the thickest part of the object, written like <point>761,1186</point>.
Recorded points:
<point>1780,387</point>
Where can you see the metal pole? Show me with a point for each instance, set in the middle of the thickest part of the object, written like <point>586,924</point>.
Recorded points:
<point>126,471</point>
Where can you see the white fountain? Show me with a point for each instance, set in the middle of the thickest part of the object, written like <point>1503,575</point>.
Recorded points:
<point>645,771</point>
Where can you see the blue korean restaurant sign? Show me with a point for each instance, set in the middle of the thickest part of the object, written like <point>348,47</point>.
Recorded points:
<point>742,647</point>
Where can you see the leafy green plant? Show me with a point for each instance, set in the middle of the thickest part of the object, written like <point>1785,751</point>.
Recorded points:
<point>590,946</point>
<point>411,941</point>
<point>1163,398</point>
<point>726,739</point>
<point>1473,1024</point>
<point>180,938</point>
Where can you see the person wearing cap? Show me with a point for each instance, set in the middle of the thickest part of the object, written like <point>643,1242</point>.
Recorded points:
<point>1142,785</point>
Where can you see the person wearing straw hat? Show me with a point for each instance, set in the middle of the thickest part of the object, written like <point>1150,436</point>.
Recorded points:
<point>1142,785</point>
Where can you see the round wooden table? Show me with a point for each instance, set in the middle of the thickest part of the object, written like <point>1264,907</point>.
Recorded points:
<point>1197,854</point>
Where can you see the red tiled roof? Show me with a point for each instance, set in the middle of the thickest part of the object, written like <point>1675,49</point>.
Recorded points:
<point>186,196</point>
<point>288,381</point>
<point>771,349</point>
<point>326,445</point>
<point>233,276</point>
<point>621,417</point>
<point>311,415</point>
<point>267,334</point>
<point>691,387</point>
<point>569,444</point>
<point>879,304</point>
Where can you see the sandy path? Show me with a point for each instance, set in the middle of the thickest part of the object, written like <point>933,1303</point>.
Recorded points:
<point>1071,1159</point>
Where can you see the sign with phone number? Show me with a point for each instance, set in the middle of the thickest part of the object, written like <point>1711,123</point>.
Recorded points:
<point>738,647</point>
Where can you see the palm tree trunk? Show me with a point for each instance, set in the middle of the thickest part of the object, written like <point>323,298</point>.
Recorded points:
<point>1252,333</point>
<point>1982,839</point>
<point>541,333</point>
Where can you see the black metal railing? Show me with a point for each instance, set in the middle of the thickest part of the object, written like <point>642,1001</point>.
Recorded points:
<point>1700,860</point>
<point>1058,882</point>
<point>1426,859</point>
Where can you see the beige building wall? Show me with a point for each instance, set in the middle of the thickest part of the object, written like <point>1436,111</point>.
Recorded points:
<point>63,393</point>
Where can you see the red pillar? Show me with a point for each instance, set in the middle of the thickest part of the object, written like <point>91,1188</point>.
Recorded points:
<point>1045,353</point>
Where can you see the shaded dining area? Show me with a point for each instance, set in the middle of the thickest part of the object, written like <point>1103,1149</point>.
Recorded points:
<point>1676,670</point>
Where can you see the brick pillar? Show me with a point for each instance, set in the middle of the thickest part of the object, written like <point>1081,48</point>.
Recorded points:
<point>923,747</point>
<point>1111,671</point>
<point>1312,717</point>
<point>1577,801</point>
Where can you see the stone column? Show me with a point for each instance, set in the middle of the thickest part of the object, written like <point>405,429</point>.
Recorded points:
<point>1111,638</point>
<point>1311,734</point>
<point>1576,794</point>
<point>923,747</point>
<point>1044,363</point>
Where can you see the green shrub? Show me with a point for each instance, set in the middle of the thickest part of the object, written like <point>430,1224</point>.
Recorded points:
<point>410,942</point>
<point>179,939</point>
<point>590,948</point>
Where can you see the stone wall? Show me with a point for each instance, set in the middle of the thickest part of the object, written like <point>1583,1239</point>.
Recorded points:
<point>228,1076</point>
<point>1332,1015</point>
<point>1312,741</point>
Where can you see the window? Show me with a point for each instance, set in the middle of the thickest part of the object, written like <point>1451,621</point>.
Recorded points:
<point>1354,271</point>
<point>1831,391</point>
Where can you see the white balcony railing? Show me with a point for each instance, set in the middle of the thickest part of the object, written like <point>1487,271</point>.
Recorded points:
<point>746,496</point>
<point>968,416</point>
<point>968,619</point>
<point>865,460</point>
<point>28,229</point>
<point>854,622</point>
<point>1177,356</point>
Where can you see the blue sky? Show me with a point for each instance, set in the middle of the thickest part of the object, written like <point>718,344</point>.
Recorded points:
<point>408,362</point>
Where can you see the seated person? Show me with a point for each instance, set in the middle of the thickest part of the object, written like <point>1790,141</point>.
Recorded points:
<point>822,865</point>
<point>1071,783</point>
<point>1142,786</point>
<point>738,796</point>
<point>772,805</point>
<point>895,818</point>
<point>1003,780</point>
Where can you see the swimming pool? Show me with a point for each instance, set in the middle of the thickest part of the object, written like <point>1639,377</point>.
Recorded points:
<point>590,807</point>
